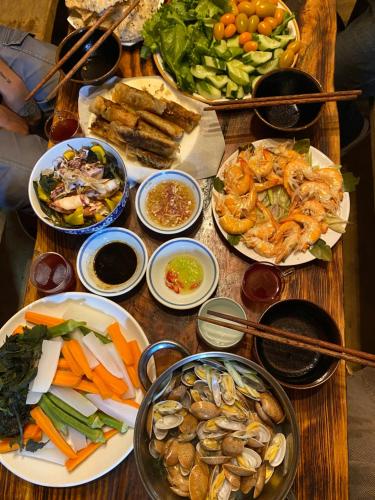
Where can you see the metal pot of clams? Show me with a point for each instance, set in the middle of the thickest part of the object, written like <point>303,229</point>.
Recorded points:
<point>214,426</point>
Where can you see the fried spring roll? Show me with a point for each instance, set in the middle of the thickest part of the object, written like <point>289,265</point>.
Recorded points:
<point>102,128</point>
<point>111,111</point>
<point>137,99</point>
<point>165,126</point>
<point>146,137</point>
<point>150,159</point>
<point>183,117</point>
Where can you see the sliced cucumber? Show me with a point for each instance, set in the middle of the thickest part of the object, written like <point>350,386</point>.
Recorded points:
<point>266,43</point>
<point>207,90</point>
<point>254,81</point>
<point>215,63</point>
<point>235,52</point>
<point>284,39</point>
<point>269,66</point>
<point>277,53</point>
<point>218,81</point>
<point>236,73</point>
<point>237,64</point>
<point>240,93</point>
<point>257,57</point>
<point>202,72</point>
<point>234,41</point>
<point>231,91</point>
<point>221,48</point>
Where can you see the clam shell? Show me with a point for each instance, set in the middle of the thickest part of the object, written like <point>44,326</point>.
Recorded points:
<point>269,473</point>
<point>262,414</point>
<point>232,446</point>
<point>211,444</point>
<point>261,477</point>
<point>168,422</point>
<point>249,392</point>
<point>160,434</point>
<point>255,382</point>
<point>247,483</point>
<point>198,483</point>
<point>228,389</point>
<point>188,378</point>
<point>234,480</point>
<point>238,470</point>
<point>189,424</point>
<point>234,374</point>
<point>210,459</point>
<point>168,407</point>
<point>275,452</point>
<point>272,407</point>
<point>171,453</point>
<point>178,393</point>
<point>229,425</point>
<point>259,432</point>
<point>176,479</point>
<point>215,388</point>
<point>179,492</point>
<point>250,459</point>
<point>204,410</point>
<point>150,421</point>
<point>157,448</point>
<point>186,454</point>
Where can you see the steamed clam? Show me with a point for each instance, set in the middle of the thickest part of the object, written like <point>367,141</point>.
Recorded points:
<point>216,430</point>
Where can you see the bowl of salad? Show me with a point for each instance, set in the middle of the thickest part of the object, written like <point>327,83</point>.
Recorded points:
<point>79,186</point>
<point>216,50</point>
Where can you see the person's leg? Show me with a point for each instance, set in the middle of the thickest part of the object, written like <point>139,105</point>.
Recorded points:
<point>18,155</point>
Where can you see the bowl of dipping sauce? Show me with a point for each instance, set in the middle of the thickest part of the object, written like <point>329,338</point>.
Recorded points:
<point>100,65</point>
<point>51,273</point>
<point>292,366</point>
<point>169,202</point>
<point>220,337</point>
<point>262,282</point>
<point>288,117</point>
<point>182,273</point>
<point>112,261</point>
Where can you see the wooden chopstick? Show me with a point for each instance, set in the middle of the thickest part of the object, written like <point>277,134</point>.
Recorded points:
<point>97,44</point>
<point>71,51</point>
<point>258,102</point>
<point>284,337</point>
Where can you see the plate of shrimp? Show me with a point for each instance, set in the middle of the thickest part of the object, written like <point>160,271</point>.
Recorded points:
<point>275,199</point>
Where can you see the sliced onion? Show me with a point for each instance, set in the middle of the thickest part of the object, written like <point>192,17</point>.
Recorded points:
<point>47,366</point>
<point>121,411</point>
<point>101,353</point>
<point>74,399</point>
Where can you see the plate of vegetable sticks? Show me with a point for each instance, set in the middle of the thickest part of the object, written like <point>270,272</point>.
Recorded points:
<point>72,392</point>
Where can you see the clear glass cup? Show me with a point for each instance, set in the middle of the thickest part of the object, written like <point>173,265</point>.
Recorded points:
<point>62,125</point>
<point>51,273</point>
<point>263,282</point>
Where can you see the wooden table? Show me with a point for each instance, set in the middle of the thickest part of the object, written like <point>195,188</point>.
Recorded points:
<point>323,468</point>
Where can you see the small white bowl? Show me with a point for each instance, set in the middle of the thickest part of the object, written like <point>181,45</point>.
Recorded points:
<point>220,337</point>
<point>163,176</point>
<point>87,252</point>
<point>156,273</point>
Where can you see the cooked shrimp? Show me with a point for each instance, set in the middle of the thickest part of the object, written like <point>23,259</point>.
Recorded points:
<point>315,209</point>
<point>238,178</point>
<point>333,177</point>
<point>261,163</point>
<point>271,181</point>
<point>319,191</point>
<point>295,172</point>
<point>233,225</point>
<point>263,230</point>
<point>263,247</point>
<point>238,206</point>
<point>286,240</point>
<point>311,230</point>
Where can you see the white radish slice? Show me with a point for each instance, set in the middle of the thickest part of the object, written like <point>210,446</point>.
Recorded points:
<point>57,339</point>
<point>47,366</point>
<point>48,454</point>
<point>121,411</point>
<point>95,319</point>
<point>33,397</point>
<point>91,359</point>
<point>74,399</point>
<point>100,352</point>
<point>130,393</point>
<point>76,439</point>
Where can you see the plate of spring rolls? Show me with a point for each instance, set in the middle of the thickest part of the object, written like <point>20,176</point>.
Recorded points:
<point>151,125</point>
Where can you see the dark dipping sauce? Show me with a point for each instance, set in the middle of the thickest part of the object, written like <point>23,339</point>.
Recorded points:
<point>115,263</point>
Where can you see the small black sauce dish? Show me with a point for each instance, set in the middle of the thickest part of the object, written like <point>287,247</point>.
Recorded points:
<point>100,65</point>
<point>288,117</point>
<point>292,366</point>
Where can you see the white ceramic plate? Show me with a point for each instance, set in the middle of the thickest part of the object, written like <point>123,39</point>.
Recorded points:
<point>293,30</point>
<point>156,273</point>
<point>88,250</point>
<point>154,180</point>
<point>330,237</point>
<point>107,456</point>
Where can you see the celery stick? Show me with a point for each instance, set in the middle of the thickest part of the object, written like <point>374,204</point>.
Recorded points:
<point>113,422</point>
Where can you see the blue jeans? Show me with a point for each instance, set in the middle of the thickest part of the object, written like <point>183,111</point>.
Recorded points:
<point>31,60</point>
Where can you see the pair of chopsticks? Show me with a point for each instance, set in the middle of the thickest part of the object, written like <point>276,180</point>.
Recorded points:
<point>292,339</point>
<point>260,102</point>
<point>76,46</point>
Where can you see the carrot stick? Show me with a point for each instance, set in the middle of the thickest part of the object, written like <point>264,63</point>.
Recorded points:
<point>104,390</point>
<point>66,378</point>
<point>74,366</point>
<point>32,431</point>
<point>136,352</point>
<point>87,386</point>
<point>120,343</point>
<point>117,385</point>
<point>48,428</point>
<point>18,329</point>
<point>42,319</point>
<point>130,402</point>
<point>133,376</point>
<point>63,364</point>
<point>72,463</point>
<point>76,351</point>
<point>6,447</point>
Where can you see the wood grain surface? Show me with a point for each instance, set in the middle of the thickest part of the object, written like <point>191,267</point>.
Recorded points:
<point>323,468</point>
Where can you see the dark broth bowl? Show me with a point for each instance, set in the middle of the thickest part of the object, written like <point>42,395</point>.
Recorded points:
<point>294,367</point>
<point>290,117</point>
<point>100,65</point>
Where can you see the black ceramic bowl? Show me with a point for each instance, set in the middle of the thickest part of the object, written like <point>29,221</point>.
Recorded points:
<point>288,117</point>
<point>100,65</point>
<point>294,367</point>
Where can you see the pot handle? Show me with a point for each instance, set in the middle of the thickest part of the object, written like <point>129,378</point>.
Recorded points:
<point>150,351</point>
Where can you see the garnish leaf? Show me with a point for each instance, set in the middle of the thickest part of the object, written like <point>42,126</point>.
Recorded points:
<point>321,250</point>
<point>302,146</point>
<point>350,182</point>
<point>219,185</point>
<point>33,446</point>
<point>233,239</point>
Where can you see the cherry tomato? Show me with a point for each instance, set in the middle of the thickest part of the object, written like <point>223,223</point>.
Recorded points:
<point>230,30</point>
<point>250,46</point>
<point>245,37</point>
<point>286,59</point>
<point>265,9</point>
<point>219,31</point>
<point>253,24</point>
<point>264,28</point>
<point>235,10</point>
<point>228,18</point>
<point>242,22</point>
<point>247,8</point>
<point>279,15</point>
<point>294,46</point>
<point>272,21</point>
